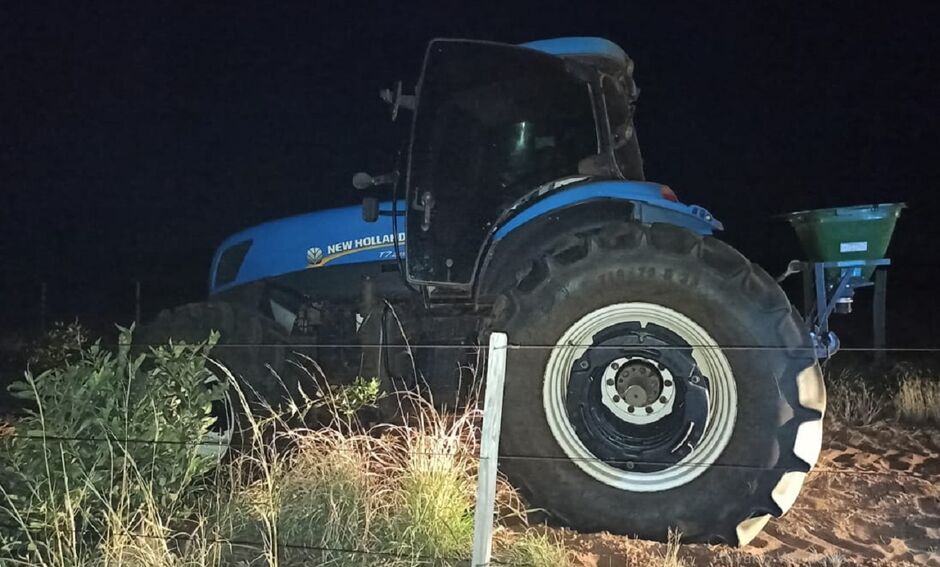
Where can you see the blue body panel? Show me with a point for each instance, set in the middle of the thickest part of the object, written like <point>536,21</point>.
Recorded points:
<point>313,240</point>
<point>574,46</point>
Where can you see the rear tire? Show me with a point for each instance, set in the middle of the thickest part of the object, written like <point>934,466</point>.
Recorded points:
<point>250,347</point>
<point>661,300</point>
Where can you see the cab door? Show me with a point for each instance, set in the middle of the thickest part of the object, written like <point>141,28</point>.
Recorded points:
<point>492,122</point>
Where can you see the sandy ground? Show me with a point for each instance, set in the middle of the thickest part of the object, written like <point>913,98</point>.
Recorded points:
<point>874,499</point>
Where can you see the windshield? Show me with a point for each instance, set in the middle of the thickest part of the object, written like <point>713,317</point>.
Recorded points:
<point>493,122</point>
<point>499,126</point>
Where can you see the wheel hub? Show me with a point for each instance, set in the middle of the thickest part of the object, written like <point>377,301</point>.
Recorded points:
<point>638,390</point>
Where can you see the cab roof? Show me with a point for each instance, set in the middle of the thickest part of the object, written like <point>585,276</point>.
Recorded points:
<point>580,47</point>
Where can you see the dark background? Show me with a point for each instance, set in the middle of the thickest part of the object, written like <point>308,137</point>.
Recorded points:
<point>133,140</point>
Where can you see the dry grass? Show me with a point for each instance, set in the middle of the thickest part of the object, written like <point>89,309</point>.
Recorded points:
<point>534,548</point>
<point>852,400</point>
<point>906,392</point>
<point>671,552</point>
<point>918,396</point>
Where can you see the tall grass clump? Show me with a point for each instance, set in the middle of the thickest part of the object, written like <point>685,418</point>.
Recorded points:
<point>365,495</point>
<point>918,396</point>
<point>104,466</point>
<point>436,467</point>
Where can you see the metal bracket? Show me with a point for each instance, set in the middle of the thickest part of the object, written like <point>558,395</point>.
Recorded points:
<point>828,297</point>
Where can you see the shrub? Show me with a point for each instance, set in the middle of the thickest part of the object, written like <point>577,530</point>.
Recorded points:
<point>110,439</point>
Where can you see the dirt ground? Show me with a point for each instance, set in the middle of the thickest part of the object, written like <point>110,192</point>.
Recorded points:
<point>874,500</point>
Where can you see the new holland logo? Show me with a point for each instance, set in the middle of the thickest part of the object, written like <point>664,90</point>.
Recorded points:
<point>314,256</point>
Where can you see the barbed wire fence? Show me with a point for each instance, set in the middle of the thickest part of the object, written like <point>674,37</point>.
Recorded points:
<point>42,301</point>
<point>488,456</point>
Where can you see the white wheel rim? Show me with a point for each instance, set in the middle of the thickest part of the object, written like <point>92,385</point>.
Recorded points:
<point>708,356</point>
<point>216,444</point>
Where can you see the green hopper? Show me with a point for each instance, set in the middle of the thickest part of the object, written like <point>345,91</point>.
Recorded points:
<point>846,235</point>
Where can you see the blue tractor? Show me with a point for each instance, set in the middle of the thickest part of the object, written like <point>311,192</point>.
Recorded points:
<point>662,380</point>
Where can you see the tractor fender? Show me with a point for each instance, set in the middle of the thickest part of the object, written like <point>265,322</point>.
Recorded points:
<point>534,223</point>
<point>651,205</point>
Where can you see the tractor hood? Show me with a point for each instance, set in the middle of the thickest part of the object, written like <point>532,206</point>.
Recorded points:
<point>309,241</point>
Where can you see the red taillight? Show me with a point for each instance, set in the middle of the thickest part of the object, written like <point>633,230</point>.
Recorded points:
<point>668,194</point>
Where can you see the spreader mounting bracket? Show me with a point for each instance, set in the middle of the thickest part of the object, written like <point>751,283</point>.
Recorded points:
<point>823,296</point>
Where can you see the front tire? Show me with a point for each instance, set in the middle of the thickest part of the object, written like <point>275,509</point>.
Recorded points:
<point>251,349</point>
<point>677,390</point>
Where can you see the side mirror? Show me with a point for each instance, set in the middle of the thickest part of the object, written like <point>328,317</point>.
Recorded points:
<point>362,180</point>
<point>370,202</point>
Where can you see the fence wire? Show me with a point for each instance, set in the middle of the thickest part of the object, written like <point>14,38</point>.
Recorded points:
<point>428,346</point>
<point>241,446</point>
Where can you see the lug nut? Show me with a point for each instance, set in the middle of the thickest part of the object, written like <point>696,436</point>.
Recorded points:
<point>610,381</point>
<point>629,409</point>
<point>667,383</point>
<point>663,399</point>
<point>615,365</point>
<point>660,365</point>
<point>616,398</point>
<point>649,409</point>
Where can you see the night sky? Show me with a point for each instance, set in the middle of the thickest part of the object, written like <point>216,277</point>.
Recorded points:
<point>133,140</point>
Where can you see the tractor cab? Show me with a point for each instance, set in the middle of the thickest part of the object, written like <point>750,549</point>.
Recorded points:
<point>494,123</point>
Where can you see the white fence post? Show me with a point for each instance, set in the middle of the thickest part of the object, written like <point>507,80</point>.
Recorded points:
<point>489,451</point>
